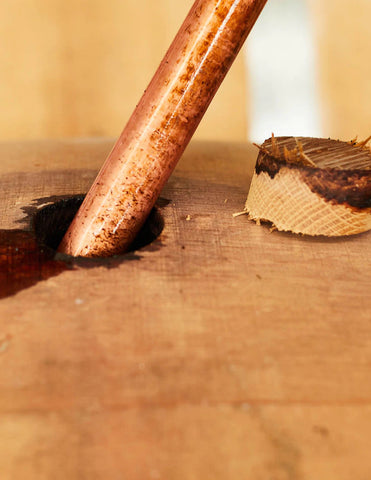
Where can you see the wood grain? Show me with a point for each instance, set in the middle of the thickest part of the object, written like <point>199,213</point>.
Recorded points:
<point>313,186</point>
<point>224,352</point>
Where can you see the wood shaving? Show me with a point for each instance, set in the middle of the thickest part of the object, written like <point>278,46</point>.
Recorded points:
<point>239,214</point>
<point>363,144</point>
<point>294,156</point>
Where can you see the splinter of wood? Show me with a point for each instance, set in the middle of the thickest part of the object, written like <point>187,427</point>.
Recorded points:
<point>161,126</point>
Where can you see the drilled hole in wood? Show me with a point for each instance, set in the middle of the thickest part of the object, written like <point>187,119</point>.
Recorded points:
<point>51,223</point>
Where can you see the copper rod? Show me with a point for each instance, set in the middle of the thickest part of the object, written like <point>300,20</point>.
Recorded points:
<point>160,127</point>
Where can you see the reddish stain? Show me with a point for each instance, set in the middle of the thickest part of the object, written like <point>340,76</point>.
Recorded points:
<point>28,257</point>
<point>23,262</point>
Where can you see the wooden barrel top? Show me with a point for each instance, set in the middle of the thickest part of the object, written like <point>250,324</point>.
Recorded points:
<point>220,351</point>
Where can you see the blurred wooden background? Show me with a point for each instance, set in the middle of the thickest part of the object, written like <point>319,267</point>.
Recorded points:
<point>78,68</point>
<point>342,36</point>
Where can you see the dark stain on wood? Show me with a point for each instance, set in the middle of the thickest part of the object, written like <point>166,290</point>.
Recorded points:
<point>23,262</point>
<point>29,256</point>
<point>351,187</point>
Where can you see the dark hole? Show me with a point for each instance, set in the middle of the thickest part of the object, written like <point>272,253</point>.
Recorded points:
<point>52,222</point>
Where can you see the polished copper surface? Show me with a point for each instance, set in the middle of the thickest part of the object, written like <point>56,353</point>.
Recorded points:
<point>161,126</point>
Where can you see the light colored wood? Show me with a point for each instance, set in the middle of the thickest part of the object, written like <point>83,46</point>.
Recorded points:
<point>313,186</point>
<point>244,354</point>
<point>343,44</point>
<point>78,69</point>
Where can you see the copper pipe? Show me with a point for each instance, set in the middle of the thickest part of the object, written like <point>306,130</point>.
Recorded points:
<point>161,126</point>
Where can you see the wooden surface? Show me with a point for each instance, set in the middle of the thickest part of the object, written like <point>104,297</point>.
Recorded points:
<point>224,352</point>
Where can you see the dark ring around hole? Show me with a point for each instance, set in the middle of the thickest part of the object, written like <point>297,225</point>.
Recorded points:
<point>50,224</point>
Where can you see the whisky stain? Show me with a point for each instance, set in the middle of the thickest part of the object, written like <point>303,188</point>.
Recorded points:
<point>28,257</point>
<point>24,262</point>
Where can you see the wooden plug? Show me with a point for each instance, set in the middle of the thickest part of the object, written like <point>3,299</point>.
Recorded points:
<point>312,186</point>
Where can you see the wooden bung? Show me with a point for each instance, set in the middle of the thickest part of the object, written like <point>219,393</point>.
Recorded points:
<point>160,127</point>
<point>312,186</point>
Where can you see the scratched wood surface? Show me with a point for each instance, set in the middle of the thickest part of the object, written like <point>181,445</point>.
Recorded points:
<point>225,351</point>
